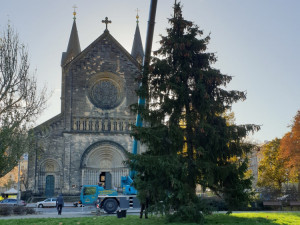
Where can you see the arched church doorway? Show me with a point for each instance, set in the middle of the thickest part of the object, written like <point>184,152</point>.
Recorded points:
<point>49,190</point>
<point>49,178</point>
<point>102,163</point>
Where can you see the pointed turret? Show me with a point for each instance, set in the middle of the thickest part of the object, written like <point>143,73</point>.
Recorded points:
<point>73,46</point>
<point>137,51</point>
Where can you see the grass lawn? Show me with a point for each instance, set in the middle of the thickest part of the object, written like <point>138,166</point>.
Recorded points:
<point>219,219</point>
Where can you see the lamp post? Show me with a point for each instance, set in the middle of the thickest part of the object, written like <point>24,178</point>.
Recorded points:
<point>18,194</point>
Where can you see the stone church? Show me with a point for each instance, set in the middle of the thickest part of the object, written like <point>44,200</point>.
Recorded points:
<point>87,142</point>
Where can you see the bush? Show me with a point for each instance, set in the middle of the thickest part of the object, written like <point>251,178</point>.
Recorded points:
<point>5,210</point>
<point>19,210</point>
<point>256,205</point>
<point>30,210</point>
<point>187,214</point>
<point>216,204</point>
<point>16,210</point>
<point>268,194</point>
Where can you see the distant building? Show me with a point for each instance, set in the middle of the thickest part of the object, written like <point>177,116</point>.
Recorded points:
<point>254,159</point>
<point>89,139</point>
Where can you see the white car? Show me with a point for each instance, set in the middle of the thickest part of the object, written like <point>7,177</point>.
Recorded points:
<point>49,202</point>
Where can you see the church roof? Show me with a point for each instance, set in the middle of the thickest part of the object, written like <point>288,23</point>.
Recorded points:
<point>73,46</point>
<point>137,46</point>
<point>54,120</point>
<point>106,35</point>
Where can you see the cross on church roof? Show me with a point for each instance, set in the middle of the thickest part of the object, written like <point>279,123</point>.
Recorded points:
<point>137,15</point>
<point>74,13</point>
<point>106,21</point>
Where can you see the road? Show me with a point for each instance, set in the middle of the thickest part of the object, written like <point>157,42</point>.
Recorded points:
<point>68,211</point>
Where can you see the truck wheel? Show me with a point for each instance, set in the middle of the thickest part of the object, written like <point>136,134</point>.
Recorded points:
<point>110,205</point>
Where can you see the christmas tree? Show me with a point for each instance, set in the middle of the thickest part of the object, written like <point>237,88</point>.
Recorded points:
<point>187,137</point>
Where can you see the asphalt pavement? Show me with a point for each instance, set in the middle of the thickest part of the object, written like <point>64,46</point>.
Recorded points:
<point>69,211</point>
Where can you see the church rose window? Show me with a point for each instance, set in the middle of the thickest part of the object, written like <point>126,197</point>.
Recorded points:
<point>105,91</point>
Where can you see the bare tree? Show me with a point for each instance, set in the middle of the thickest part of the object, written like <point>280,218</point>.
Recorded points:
<point>20,100</point>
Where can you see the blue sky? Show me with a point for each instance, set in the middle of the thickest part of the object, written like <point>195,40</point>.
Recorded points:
<point>257,42</point>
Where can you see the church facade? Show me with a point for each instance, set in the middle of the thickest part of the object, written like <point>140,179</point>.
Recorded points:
<point>87,142</point>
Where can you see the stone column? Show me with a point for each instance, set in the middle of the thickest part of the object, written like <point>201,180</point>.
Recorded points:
<point>66,164</point>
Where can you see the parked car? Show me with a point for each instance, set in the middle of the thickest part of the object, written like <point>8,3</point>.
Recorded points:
<point>12,202</point>
<point>283,198</point>
<point>49,202</point>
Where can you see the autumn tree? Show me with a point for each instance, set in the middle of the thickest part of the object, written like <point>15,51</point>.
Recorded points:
<point>272,172</point>
<point>188,140</point>
<point>290,149</point>
<point>20,101</point>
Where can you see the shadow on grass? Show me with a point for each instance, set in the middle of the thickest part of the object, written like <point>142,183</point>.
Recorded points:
<point>232,219</point>
<point>296,214</point>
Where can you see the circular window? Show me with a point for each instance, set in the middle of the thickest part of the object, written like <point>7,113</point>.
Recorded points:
<point>105,92</point>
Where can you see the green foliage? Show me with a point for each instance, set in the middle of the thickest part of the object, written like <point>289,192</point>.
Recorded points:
<point>188,140</point>
<point>13,144</point>
<point>19,210</point>
<point>271,171</point>
<point>30,210</point>
<point>5,210</point>
<point>15,210</point>
<point>216,204</point>
<point>235,218</point>
<point>187,214</point>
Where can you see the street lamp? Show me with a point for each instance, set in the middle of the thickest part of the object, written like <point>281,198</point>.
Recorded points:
<point>18,194</point>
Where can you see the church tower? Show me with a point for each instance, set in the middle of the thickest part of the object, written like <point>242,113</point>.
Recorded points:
<point>137,51</point>
<point>73,50</point>
<point>73,46</point>
<point>89,139</point>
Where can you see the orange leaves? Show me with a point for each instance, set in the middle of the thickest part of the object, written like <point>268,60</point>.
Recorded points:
<point>290,147</point>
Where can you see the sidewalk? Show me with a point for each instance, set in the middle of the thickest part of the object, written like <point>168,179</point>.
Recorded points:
<point>67,204</point>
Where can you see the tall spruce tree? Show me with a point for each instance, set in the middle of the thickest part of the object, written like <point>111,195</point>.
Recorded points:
<point>187,139</point>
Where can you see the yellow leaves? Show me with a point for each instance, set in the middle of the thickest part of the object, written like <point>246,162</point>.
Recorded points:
<point>11,176</point>
<point>272,171</point>
<point>234,159</point>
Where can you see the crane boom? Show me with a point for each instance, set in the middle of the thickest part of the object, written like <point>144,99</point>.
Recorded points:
<point>146,61</point>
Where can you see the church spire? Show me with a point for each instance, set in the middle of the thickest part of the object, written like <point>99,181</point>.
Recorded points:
<point>137,51</point>
<point>73,46</point>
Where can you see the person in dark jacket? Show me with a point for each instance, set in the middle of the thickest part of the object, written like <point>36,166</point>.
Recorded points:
<point>59,204</point>
<point>144,208</point>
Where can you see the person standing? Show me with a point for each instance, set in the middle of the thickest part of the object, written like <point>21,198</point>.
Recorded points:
<point>59,204</point>
<point>145,200</point>
<point>144,208</point>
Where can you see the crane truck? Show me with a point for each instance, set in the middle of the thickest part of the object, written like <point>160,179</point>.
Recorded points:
<point>110,199</point>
